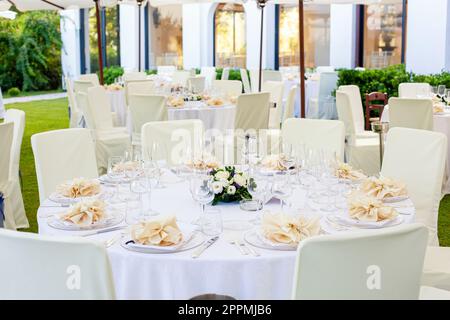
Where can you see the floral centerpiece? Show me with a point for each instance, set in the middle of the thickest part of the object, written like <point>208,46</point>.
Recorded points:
<point>229,185</point>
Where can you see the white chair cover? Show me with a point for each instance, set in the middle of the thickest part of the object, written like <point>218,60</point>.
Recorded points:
<point>210,74</point>
<point>319,107</point>
<point>225,74</point>
<point>6,186</point>
<point>54,268</point>
<point>139,87</point>
<point>62,155</point>
<point>289,107</point>
<point>245,81</point>
<point>252,111</point>
<point>75,113</point>
<point>176,136</point>
<point>146,108</point>
<point>2,106</point>
<point>90,77</point>
<point>414,90</point>
<point>322,134</point>
<point>276,90</point>
<point>407,159</point>
<point>231,88</point>
<point>321,69</point>
<point>181,77</point>
<point>272,75</point>
<point>411,113</point>
<point>197,84</point>
<point>134,76</point>
<point>436,268</point>
<point>82,86</point>
<point>376,264</point>
<point>166,70</point>
<point>17,206</point>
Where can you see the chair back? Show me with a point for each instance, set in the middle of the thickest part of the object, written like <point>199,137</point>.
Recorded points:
<point>252,111</point>
<point>134,76</point>
<point>407,159</point>
<point>82,102</point>
<point>245,81</point>
<point>62,155</point>
<point>345,114</point>
<point>74,111</point>
<point>327,84</point>
<point>289,108</point>
<point>328,135</point>
<point>181,77</point>
<point>210,74</point>
<point>232,88</point>
<point>146,108</point>
<point>411,113</point>
<point>225,74</point>
<point>2,106</point>
<point>6,141</point>
<point>53,268</point>
<point>91,77</point>
<point>18,118</point>
<point>373,103</point>
<point>196,84</point>
<point>321,69</point>
<point>356,107</point>
<point>139,87</point>
<point>176,136</point>
<point>166,70</point>
<point>82,85</point>
<point>272,75</point>
<point>276,90</point>
<point>99,108</point>
<point>414,90</point>
<point>381,264</point>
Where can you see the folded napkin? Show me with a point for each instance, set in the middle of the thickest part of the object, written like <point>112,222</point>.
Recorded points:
<point>126,166</point>
<point>86,213</point>
<point>286,229</point>
<point>79,187</point>
<point>161,232</point>
<point>114,87</point>
<point>438,108</point>
<point>345,171</point>
<point>200,164</point>
<point>368,208</point>
<point>383,188</point>
<point>274,162</point>
<point>216,102</point>
<point>175,102</point>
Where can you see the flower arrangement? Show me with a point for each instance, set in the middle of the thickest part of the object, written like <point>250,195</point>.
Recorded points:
<point>229,185</point>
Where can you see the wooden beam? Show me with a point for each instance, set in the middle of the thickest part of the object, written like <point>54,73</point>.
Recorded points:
<point>302,58</point>
<point>99,43</point>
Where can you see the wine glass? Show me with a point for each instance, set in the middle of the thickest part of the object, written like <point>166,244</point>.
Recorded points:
<point>212,222</point>
<point>158,158</point>
<point>287,158</point>
<point>441,90</point>
<point>201,190</point>
<point>281,188</point>
<point>115,176</point>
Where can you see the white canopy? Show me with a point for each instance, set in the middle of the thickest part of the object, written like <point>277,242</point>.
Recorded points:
<point>32,5</point>
<point>157,3</point>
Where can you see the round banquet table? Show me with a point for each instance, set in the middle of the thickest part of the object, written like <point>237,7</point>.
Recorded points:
<point>221,269</point>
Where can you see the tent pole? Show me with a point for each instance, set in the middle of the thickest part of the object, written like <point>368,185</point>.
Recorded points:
<point>302,58</point>
<point>99,43</point>
<point>261,5</point>
<point>139,40</point>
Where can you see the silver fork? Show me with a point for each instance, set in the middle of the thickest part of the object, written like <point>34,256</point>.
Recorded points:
<point>238,246</point>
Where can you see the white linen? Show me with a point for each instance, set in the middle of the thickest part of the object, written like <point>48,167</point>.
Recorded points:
<point>221,269</point>
<point>2,107</point>
<point>118,105</point>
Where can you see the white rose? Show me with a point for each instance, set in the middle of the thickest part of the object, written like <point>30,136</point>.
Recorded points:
<point>217,187</point>
<point>231,190</point>
<point>240,180</point>
<point>222,175</point>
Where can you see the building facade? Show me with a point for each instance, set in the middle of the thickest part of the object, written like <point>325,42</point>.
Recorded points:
<point>228,35</point>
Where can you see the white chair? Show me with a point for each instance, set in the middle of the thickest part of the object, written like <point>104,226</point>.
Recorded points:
<point>436,268</point>
<point>245,81</point>
<point>231,88</point>
<point>252,111</point>
<point>225,74</point>
<point>362,265</point>
<point>414,90</point>
<point>289,107</point>
<point>90,77</point>
<point>17,206</point>
<point>196,84</point>
<point>210,74</point>
<point>318,106</point>
<point>411,113</point>
<point>62,155</point>
<point>166,70</point>
<point>53,268</point>
<point>272,75</point>
<point>362,151</point>
<point>82,102</point>
<point>276,90</point>
<point>134,76</point>
<point>82,86</point>
<point>322,134</point>
<point>2,106</point>
<point>145,108</point>
<point>109,140</point>
<point>139,87</point>
<point>181,77</point>
<point>417,158</point>
<point>6,193</point>
<point>176,136</point>
<point>321,69</point>
<point>75,113</point>
<point>254,80</point>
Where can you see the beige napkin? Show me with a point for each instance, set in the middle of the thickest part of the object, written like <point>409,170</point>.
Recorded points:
<point>367,208</point>
<point>345,171</point>
<point>438,108</point>
<point>274,162</point>
<point>200,164</point>
<point>286,229</point>
<point>114,87</point>
<point>175,102</point>
<point>126,166</point>
<point>383,188</point>
<point>216,102</point>
<point>162,232</point>
<point>79,187</point>
<point>86,213</point>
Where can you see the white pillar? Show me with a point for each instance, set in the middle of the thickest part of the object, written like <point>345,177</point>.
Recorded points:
<point>70,36</point>
<point>192,36</point>
<point>129,34</point>
<point>428,36</point>
<point>342,35</point>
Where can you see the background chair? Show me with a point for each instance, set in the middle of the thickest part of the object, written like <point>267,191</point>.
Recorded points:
<point>20,220</point>
<point>225,74</point>
<point>383,264</point>
<point>196,84</point>
<point>272,75</point>
<point>321,69</point>
<point>82,86</point>
<point>414,90</point>
<point>372,105</point>
<point>252,111</point>
<point>6,138</point>
<point>166,70</point>
<point>62,155</point>
<point>319,106</point>
<point>276,90</point>
<point>134,76</point>
<point>321,134</point>
<point>139,87</point>
<point>210,74</point>
<point>231,88</point>
<point>411,113</point>
<point>74,112</point>
<point>245,81</point>
<point>90,77</point>
<point>43,267</point>
<point>407,159</point>
<point>181,77</point>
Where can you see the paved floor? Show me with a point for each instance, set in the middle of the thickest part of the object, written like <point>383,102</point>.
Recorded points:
<point>50,96</point>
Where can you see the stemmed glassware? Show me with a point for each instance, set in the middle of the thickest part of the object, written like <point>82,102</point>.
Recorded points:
<point>259,186</point>
<point>157,162</point>
<point>141,186</point>
<point>282,188</point>
<point>201,190</point>
<point>441,90</point>
<point>115,176</point>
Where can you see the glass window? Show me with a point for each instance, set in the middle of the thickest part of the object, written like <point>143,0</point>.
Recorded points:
<point>166,35</point>
<point>112,38</point>
<point>382,35</point>
<point>317,35</point>
<point>229,38</point>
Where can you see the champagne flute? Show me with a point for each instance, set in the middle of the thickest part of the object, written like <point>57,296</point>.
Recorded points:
<point>114,175</point>
<point>202,191</point>
<point>158,156</point>
<point>281,188</point>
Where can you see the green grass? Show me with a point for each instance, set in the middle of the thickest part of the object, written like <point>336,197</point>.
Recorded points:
<point>51,115</point>
<point>32,93</point>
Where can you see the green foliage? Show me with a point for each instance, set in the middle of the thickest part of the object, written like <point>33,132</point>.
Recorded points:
<point>30,51</point>
<point>13,92</point>
<point>235,74</point>
<point>112,73</point>
<point>151,71</point>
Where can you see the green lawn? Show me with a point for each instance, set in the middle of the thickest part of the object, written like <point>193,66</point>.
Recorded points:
<point>31,93</point>
<point>50,115</point>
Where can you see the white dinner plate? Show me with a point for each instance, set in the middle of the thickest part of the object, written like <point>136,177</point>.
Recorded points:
<point>59,198</point>
<point>347,221</point>
<point>112,218</point>
<point>105,179</point>
<point>395,199</point>
<point>255,238</point>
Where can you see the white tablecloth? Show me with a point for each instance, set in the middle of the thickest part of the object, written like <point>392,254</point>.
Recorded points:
<point>441,123</point>
<point>311,90</point>
<point>221,269</point>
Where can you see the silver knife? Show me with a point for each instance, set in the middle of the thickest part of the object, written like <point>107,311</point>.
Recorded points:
<point>200,250</point>
<point>103,231</point>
